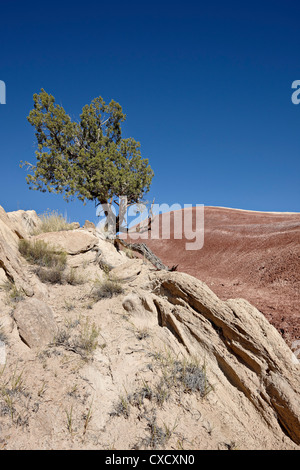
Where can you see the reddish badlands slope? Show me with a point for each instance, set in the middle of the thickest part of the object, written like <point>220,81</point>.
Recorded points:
<point>254,255</point>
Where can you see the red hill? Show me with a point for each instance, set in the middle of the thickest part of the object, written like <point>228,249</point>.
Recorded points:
<point>254,255</point>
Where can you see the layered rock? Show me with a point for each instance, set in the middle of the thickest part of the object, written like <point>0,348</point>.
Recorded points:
<point>252,368</point>
<point>11,267</point>
<point>73,242</point>
<point>252,373</point>
<point>35,322</point>
<point>26,221</point>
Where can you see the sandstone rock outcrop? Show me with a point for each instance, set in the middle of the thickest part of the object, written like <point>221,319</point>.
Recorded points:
<point>251,373</point>
<point>241,348</point>
<point>73,242</point>
<point>11,267</point>
<point>35,323</point>
<point>26,221</point>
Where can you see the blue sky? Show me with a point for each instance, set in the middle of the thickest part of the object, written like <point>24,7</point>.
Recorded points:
<point>206,87</point>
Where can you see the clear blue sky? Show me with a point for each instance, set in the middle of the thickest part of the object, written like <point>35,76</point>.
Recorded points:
<point>206,87</point>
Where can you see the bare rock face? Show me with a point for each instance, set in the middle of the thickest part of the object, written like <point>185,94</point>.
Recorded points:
<point>108,254</point>
<point>35,322</point>
<point>9,232</point>
<point>244,352</point>
<point>72,242</point>
<point>11,267</point>
<point>26,221</point>
<point>142,309</point>
<point>89,225</point>
<point>128,270</point>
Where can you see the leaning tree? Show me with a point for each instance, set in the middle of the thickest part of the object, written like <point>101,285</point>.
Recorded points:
<point>87,159</point>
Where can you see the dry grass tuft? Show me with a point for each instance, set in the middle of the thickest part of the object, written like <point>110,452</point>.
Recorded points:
<point>107,288</point>
<point>52,221</point>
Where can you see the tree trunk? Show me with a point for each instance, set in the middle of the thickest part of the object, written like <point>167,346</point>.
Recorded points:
<point>144,250</point>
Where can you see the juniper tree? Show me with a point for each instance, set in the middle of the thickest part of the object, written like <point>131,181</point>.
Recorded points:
<point>87,159</point>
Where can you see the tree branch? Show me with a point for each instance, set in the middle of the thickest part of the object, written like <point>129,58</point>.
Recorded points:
<point>144,250</point>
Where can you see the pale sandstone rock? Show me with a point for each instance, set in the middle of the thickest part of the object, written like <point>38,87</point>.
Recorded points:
<point>241,347</point>
<point>255,396</point>
<point>27,221</point>
<point>12,265</point>
<point>75,225</point>
<point>35,322</point>
<point>89,225</point>
<point>141,308</point>
<point>72,242</point>
<point>129,270</point>
<point>8,230</point>
<point>108,254</point>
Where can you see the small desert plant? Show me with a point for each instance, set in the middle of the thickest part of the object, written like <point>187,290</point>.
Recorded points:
<point>157,394</point>
<point>70,420</point>
<point>187,374</point>
<point>192,376</point>
<point>53,275</point>
<point>62,337</point>
<point>122,407</point>
<point>11,389</point>
<point>87,340</point>
<point>16,381</point>
<point>57,275</point>
<point>51,262</point>
<point>84,342</point>
<point>13,293</point>
<point>74,278</point>
<point>40,253</point>
<point>142,333</point>
<point>69,305</point>
<point>52,221</point>
<point>106,288</point>
<point>87,418</point>
<point>145,392</point>
<point>158,436</point>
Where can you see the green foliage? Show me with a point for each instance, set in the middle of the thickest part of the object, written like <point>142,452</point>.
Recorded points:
<point>86,159</point>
